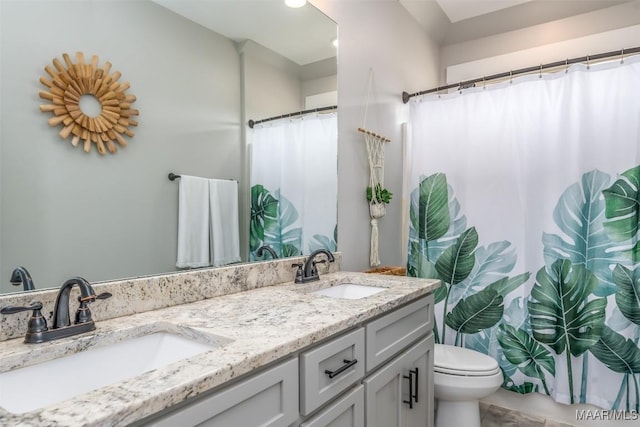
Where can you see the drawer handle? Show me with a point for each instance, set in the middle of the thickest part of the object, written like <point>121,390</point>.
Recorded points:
<point>413,388</point>
<point>415,384</point>
<point>341,369</point>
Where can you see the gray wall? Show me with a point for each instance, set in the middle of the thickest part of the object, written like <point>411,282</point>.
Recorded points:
<point>114,215</point>
<point>271,82</point>
<point>378,35</point>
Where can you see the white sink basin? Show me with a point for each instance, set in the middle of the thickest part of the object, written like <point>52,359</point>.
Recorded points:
<point>53,381</point>
<point>349,291</point>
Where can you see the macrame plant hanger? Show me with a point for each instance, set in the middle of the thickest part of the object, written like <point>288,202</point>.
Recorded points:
<point>375,154</point>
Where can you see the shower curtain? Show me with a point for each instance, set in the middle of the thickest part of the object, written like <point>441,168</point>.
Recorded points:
<point>294,185</point>
<point>525,199</point>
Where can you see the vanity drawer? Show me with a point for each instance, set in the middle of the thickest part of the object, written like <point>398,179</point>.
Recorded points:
<point>266,399</point>
<point>329,369</point>
<point>390,334</point>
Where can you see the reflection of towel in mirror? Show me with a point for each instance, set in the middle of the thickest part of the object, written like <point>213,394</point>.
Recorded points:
<point>193,223</point>
<point>225,238</point>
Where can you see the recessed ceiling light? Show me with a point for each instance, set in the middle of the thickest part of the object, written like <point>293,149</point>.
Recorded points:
<point>295,3</point>
<point>334,42</point>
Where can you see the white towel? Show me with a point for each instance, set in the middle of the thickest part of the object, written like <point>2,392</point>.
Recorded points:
<point>193,223</point>
<point>225,228</point>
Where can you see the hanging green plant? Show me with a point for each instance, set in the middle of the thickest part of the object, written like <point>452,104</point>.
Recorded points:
<point>382,194</point>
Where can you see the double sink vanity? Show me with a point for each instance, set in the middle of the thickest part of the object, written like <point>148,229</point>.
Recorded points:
<point>239,346</point>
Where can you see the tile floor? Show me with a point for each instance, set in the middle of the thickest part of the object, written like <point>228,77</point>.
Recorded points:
<point>495,416</point>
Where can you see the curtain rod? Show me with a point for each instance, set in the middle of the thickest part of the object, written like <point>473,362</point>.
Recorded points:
<point>469,83</point>
<point>252,123</point>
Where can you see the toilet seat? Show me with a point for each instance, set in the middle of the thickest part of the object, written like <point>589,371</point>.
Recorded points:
<point>459,361</point>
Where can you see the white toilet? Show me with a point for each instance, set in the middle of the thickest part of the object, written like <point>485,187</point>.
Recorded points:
<point>461,378</point>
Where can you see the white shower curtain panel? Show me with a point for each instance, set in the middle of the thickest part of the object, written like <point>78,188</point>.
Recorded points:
<point>525,202</point>
<point>294,171</point>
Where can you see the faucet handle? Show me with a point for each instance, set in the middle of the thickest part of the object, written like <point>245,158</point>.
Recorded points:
<point>299,272</point>
<point>92,298</point>
<point>37,323</point>
<point>12,309</point>
<point>83,314</point>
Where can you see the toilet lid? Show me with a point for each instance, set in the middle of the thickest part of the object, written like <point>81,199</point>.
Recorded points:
<point>453,360</point>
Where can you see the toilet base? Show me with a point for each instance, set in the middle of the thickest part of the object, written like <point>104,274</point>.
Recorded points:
<point>459,413</point>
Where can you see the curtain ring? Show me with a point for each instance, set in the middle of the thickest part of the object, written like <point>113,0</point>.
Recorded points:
<point>540,75</point>
<point>510,77</point>
<point>566,66</point>
<point>484,82</point>
<point>588,65</point>
<point>622,56</point>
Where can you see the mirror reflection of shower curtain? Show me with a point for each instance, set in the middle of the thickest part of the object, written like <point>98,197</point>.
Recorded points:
<point>525,202</point>
<point>294,185</point>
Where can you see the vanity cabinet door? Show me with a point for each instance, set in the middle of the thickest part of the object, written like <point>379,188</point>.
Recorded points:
<point>383,406</point>
<point>395,396</point>
<point>418,364</point>
<point>393,332</point>
<point>347,411</point>
<point>266,399</point>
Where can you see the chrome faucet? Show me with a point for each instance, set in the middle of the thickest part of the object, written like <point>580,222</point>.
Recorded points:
<point>37,330</point>
<point>308,272</point>
<point>262,249</point>
<point>21,276</point>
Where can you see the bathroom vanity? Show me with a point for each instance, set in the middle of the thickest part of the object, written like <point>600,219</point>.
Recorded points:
<point>389,377</point>
<point>277,355</point>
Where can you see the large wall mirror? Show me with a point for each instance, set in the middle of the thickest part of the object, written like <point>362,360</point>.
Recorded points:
<point>199,70</point>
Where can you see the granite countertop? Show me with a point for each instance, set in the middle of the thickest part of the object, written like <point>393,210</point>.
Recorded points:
<point>252,328</point>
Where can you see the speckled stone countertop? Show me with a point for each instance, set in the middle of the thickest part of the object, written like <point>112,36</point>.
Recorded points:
<point>252,328</point>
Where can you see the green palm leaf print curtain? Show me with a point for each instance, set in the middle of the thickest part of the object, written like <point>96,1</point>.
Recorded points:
<point>294,185</point>
<point>525,202</point>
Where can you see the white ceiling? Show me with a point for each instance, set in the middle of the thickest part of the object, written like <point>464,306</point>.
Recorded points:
<point>304,35</point>
<point>456,21</point>
<point>458,10</point>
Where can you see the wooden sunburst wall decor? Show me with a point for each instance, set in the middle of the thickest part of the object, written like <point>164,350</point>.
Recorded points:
<point>69,83</point>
